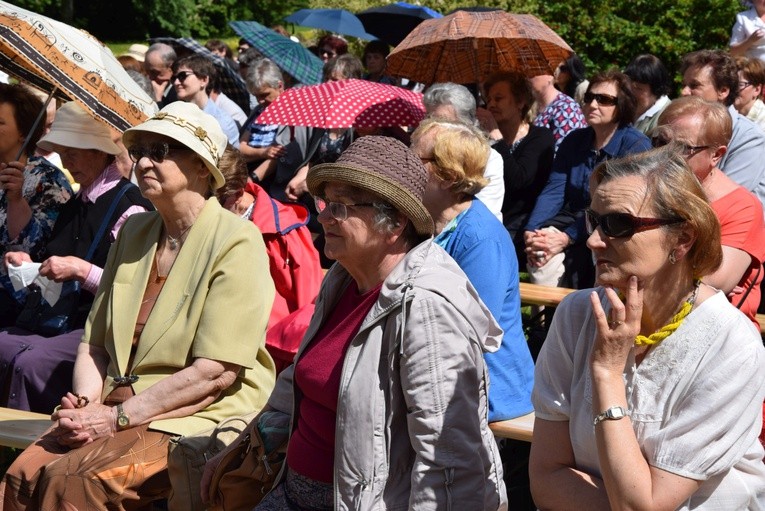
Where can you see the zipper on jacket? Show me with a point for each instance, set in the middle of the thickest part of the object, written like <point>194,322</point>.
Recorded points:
<point>362,487</point>
<point>448,480</point>
<point>408,286</point>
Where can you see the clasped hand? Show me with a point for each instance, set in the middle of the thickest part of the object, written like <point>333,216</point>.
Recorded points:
<point>75,427</point>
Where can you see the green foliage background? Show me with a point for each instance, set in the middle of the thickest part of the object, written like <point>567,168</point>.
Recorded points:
<point>604,33</point>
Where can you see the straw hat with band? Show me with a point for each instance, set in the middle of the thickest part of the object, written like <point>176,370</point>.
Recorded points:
<point>385,167</point>
<point>187,124</point>
<point>76,128</point>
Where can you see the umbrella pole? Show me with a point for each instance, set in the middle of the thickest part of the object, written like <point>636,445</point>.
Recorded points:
<point>40,116</point>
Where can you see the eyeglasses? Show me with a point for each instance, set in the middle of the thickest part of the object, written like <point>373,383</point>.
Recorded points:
<point>327,51</point>
<point>623,225</point>
<point>743,84</point>
<point>602,99</point>
<point>687,150</point>
<point>181,77</point>
<point>338,210</point>
<point>156,152</point>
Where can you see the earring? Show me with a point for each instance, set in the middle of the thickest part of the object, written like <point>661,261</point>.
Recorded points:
<point>672,258</point>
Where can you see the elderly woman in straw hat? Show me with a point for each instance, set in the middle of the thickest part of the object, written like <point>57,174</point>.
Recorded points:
<point>33,363</point>
<point>174,342</point>
<point>387,394</point>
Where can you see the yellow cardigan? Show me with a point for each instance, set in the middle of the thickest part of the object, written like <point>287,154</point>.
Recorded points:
<point>214,304</point>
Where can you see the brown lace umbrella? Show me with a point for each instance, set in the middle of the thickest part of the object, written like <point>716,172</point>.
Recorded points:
<point>467,47</point>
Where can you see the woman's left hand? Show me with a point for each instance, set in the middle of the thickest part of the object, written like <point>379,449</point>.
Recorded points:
<point>616,331</point>
<point>79,426</point>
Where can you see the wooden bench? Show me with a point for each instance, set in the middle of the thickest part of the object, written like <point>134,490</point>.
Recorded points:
<point>534,294</point>
<point>520,428</point>
<point>19,428</point>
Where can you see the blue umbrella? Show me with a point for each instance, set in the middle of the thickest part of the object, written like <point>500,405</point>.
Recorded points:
<point>393,22</point>
<point>338,21</point>
<point>290,56</point>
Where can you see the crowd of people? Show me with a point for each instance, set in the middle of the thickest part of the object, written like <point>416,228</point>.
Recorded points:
<point>355,293</point>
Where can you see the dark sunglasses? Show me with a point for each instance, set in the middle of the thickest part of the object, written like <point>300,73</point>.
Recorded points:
<point>181,77</point>
<point>623,225</point>
<point>156,152</point>
<point>602,99</point>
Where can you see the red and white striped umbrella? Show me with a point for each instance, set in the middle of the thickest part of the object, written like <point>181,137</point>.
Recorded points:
<point>345,104</point>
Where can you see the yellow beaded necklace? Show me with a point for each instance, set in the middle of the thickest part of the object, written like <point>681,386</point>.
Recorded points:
<point>674,323</point>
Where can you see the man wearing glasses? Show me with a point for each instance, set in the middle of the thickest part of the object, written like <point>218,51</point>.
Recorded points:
<point>713,75</point>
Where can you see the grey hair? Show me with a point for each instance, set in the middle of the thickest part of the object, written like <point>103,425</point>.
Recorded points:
<point>165,52</point>
<point>386,221</point>
<point>142,80</point>
<point>264,73</point>
<point>457,96</point>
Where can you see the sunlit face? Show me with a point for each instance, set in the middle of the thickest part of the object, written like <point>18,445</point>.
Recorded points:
<point>747,94</point>
<point>700,158</point>
<point>598,114</point>
<point>502,104</point>
<point>157,70</point>
<point>443,111</point>
<point>354,241</point>
<point>645,98</point>
<point>697,81</point>
<point>11,139</point>
<point>645,254</point>
<point>192,85</point>
<point>267,94</point>
<point>180,170</point>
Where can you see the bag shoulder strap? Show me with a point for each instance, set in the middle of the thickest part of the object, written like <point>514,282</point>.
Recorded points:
<point>105,221</point>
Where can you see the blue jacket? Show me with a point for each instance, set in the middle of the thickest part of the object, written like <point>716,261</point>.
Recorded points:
<point>569,183</point>
<point>483,249</point>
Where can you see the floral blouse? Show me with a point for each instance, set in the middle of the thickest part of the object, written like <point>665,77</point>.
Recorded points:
<point>45,189</point>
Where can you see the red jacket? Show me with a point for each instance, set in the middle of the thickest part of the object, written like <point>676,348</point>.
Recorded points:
<point>294,261</point>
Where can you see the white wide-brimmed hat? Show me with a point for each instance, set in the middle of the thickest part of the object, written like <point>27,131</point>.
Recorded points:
<point>137,51</point>
<point>188,124</point>
<point>74,127</point>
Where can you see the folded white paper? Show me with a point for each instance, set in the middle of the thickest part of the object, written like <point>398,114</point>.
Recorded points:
<point>29,273</point>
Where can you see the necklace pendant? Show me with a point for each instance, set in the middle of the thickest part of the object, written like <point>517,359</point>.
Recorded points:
<point>172,243</point>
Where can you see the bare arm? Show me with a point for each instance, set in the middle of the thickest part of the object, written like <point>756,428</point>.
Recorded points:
<point>742,47</point>
<point>90,371</point>
<point>734,264</point>
<point>631,483</point>
<point>554,480</point>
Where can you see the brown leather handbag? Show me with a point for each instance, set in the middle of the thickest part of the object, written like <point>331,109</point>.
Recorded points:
<point>246,473</point>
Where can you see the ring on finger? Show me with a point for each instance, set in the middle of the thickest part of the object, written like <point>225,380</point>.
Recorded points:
<point>615,323</point>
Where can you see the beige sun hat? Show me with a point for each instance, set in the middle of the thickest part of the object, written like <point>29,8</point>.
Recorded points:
<point>137,51</point>
<point>385,167</point>
<point>74,127</point>
<point>188,124</point>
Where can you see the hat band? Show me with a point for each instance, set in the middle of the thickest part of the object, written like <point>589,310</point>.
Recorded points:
<point>197,131</point>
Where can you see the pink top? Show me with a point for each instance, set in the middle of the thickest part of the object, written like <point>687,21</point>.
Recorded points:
<point>105,181</point>
<point>311,450</point>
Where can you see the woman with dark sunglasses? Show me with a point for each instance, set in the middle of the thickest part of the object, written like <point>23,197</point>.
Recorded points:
<point>555,234</point>
<point>648,389</point>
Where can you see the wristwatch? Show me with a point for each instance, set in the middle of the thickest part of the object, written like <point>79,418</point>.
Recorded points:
<point>612,414</point>
<point>123,421</point>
